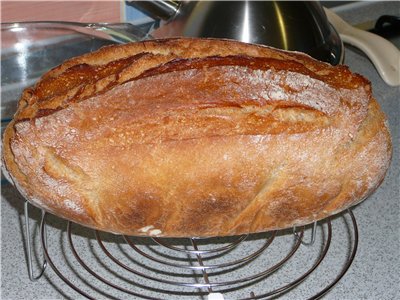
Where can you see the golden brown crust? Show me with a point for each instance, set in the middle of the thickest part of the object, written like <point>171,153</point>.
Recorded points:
<point>196,137</point>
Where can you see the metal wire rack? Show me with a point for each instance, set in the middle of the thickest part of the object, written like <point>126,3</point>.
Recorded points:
<point>291,263</point>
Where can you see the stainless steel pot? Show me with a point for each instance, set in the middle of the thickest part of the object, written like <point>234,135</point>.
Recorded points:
<point>298,25</point>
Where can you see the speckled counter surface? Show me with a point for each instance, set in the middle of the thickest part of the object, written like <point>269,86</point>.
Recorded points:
<point>374,273</point>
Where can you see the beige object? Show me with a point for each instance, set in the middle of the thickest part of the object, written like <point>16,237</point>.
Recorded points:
<point>196,137</point>
<point>384,55</point>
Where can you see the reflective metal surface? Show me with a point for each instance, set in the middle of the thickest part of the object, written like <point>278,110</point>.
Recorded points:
<point>158,9</point>
<point>298,25</point>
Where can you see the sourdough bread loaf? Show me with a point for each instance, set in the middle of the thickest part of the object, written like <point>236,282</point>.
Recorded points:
<point>196,137</point>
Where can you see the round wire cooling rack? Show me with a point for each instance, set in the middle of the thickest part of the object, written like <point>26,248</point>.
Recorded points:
<point>301,263</point>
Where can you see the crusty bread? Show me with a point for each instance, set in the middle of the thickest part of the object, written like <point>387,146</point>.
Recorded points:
<point>196,137</point>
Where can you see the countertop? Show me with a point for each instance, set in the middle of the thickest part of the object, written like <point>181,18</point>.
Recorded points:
<point>374,273</point>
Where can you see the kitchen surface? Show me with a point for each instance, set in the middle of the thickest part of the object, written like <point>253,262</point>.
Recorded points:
<point>361,254</point>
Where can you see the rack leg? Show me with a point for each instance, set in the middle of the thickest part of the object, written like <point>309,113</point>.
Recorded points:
<point>313,234</point>
<point>29,246</point>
